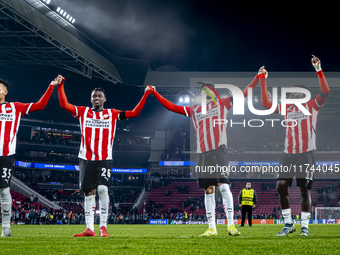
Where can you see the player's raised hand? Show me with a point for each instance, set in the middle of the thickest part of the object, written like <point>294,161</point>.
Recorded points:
<point>149,90</point>
<point>58,80</point>
<point>316,63</point>
<point>263,71</point>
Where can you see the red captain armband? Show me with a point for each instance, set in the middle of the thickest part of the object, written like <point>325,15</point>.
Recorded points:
<point>320,74</point>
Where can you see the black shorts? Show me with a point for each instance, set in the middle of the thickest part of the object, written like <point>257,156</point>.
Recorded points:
<point>94,173</point>
<point>216,160</point>
<point>299,165</point>
<point>6,169</point>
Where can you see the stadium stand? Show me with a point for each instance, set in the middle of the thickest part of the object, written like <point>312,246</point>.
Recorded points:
<point>173,196</point>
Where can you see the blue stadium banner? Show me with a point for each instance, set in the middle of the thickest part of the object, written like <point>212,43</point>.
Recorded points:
<point>177,163</point>
<point>46,166</point>
<point>56,166</point>
<point>130,170</point>
<point>75,167</point>
<point>158,222</point>
<point>24,164</point>
<point>161,163</point>
<point>242,163</point>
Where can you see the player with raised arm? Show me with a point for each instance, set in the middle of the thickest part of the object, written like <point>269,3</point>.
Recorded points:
<point>98,127</point>
<point>211,149</point>
<point>10,115</point>
<point>300,146</point>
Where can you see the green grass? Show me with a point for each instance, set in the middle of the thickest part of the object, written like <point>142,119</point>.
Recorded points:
<point>170,239</point>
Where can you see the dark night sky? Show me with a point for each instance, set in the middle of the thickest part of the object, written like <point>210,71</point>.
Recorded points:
<point>212,35</point>
<point>190,35</point>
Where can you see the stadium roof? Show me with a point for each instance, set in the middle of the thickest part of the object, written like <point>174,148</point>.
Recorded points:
<point>35,37</point>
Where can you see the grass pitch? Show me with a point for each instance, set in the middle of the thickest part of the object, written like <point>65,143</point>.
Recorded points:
<point>169,239</point>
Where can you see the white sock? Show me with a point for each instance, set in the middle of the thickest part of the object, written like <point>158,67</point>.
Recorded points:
<point>228,203</point>
<point>90,206</point>
<point>104,201</point>
<point>287,215</point>
<point>209,200</point>
<point>305,216</point>
<point>6,203</point>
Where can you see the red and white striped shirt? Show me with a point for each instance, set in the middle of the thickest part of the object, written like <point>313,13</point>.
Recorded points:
<point>98,132</point>
<point>10,115</point>
<point>301,128</point>
<point>210,134</point>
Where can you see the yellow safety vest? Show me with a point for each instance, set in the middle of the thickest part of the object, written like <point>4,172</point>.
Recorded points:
<point>247,197</point>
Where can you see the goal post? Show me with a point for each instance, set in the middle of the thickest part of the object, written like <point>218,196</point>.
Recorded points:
<point>327,213</point>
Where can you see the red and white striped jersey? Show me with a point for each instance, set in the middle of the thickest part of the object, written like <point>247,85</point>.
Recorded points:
<point>98,132</point>
<point>301,128</point>
<point>10,115</point>
<point>210,134</point>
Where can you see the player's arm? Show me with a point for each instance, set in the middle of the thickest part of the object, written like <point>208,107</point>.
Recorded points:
<point>253,84</point>
<point>322,96</point>
<point>240,198</point>
<point>171,106</point>
<point>63,99</point>
<point>255,199</point>
<point>136,111</point>
<point>266,102</point>
<point>41,104</point>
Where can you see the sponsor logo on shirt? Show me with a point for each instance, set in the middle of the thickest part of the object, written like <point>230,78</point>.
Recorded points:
<point>6,117</point>
<point>296,116</point>
<point>210,113</point>
<point>93,123</point>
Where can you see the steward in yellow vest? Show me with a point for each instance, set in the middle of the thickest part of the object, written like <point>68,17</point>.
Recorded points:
<point>247,197</point>
<point>247,200</point>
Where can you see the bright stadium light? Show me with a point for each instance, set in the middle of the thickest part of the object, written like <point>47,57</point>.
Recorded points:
<point>181,99</point>
<point>187,99</point>
<point>45,1</point>
<point>65,15</point>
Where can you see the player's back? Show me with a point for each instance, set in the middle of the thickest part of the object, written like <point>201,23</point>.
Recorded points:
<point>211,127</point>
<point>301,128</point>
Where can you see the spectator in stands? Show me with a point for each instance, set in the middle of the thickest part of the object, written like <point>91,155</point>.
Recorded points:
<point>33,216</point>
<point>22,214</point>
<point>42,218</point>
<point>17,216</point>
<point>70,218</point>
<point>27,217</point>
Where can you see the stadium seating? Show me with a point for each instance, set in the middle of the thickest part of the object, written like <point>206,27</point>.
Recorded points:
<point>268,198</point>
<point>21,198</point>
